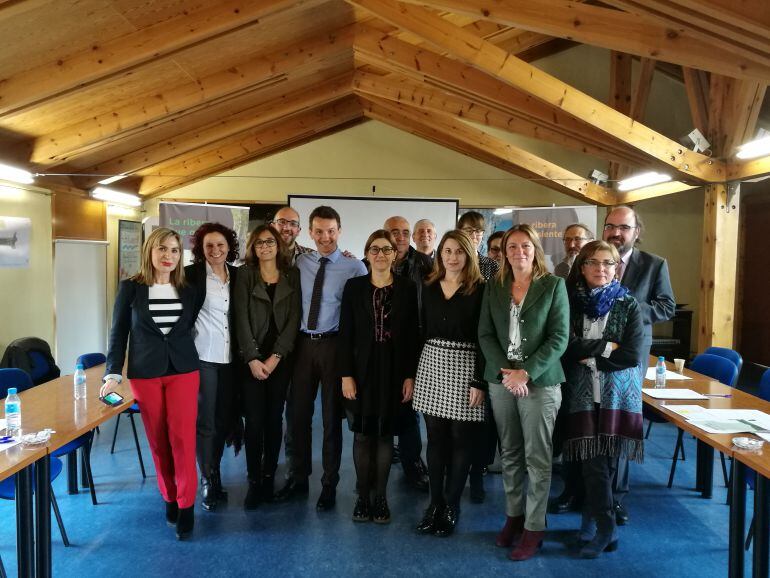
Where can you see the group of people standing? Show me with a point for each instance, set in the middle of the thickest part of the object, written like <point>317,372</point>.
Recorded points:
<point>487,349</point>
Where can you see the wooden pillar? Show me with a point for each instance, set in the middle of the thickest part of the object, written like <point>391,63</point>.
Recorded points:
<point>716,307</point>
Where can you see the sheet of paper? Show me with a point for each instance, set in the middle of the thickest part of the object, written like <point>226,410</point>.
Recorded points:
<point>3,424</point>
<point>672,393</point>
<point>725,426</point>
<point>8,445</point>
<point>764,436</point>
<point>670,375</point>
<point>688,411</point>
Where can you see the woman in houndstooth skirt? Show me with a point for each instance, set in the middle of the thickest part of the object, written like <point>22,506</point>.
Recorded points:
<point>448,389</point>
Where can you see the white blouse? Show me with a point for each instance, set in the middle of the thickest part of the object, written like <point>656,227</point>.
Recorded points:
<point>212,328</point>
<point>514,331</point>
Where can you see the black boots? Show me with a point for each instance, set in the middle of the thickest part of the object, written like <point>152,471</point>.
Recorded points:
<point>172,513</point>
<point>185,523</point>
<point>208,492</point>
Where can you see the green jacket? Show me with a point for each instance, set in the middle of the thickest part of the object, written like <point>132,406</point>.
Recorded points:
<point>253,310</point>
<point>544,329</point>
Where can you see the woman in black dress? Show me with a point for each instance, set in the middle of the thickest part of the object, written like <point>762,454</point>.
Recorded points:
<point>377,359</point>
<point>449,389</point>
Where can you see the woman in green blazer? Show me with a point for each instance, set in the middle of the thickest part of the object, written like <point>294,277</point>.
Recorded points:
<point>268,306</point>
<point>523,332</point>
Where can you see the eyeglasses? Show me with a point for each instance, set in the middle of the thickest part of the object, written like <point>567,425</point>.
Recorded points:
<point>264,242</point>
<point>578,239</point>
<point>623,228</point>
<point>387,250</point>
<point>596,263</point>
<point>285,222</point>
<point>494,250</point>
<point>472,231</point>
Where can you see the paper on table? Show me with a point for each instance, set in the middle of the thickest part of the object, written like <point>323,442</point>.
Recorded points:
<point>5,446</point>
<point>656,393</point>
<point>764,436</point>
<point>670,375</point>
<point>687,410</point>
<point>3,424</point>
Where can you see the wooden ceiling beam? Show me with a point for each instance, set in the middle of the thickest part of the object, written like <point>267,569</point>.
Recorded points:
<point>123,54</point>
<point>485,147</point>
<point>259,142</point>
<point>620,93</point>
<point>696,85</point>
<point>232,124</point>
<point>614,30</point>
<point>529,79</point>
<point>733,112</point>
<point>435,71</point>
<point>418,95</point>
<point>642,89</point>
<point>77,139</point>
<point>651,192</point>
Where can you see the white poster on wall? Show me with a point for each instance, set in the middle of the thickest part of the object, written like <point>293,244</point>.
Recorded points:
<point>15,233</point>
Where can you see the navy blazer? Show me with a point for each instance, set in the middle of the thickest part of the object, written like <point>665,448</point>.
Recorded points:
<point>150,353</point>
<point>646,276</point>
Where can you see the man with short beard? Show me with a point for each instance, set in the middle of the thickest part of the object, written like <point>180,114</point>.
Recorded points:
<point>575,236</point>
<point>286,222</point>
<point>646,276</point>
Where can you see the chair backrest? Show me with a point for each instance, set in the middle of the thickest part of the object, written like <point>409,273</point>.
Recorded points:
<point>730,354</point>
<point>33,355</point>
<point>91,359</point>
<point>716,367</point>
<point>14,377</point>
<point>764,385</point>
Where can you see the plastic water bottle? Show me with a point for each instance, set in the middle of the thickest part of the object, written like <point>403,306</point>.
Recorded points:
<point>80,382</point>
<point>660,372</point>
<point>13,413</point>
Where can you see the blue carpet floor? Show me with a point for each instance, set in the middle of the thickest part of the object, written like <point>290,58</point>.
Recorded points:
<point>671,532</point>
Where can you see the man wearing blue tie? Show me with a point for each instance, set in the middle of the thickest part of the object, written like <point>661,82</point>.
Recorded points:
<point>323,274</point>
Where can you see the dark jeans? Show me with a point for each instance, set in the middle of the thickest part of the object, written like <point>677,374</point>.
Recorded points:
<point>409,440</point>
<point>288,443</point>
<point>263,408</point>
<point>315,361</point>
<point>597,477</point>
<point>215,404</point>
<point>450,450</point>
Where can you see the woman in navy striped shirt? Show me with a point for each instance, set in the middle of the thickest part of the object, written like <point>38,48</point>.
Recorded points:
<point>154,316</point>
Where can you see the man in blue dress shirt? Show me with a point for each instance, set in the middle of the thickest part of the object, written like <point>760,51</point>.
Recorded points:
<point>323,275</point>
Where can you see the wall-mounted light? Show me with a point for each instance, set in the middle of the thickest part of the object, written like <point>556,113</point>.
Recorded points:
<point>754,149</point>
<point>9,173</point>
<point>111,196</point>
<point>642,180</point>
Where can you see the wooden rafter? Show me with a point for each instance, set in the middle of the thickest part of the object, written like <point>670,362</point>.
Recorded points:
<point>733,113</point>
<point>245,147</point>
<point>485,147</point>
<point>518,74</point>
<point>436,71</point>
<point>246,120</point>
<point>620,92</point>
<point>122,54</point>
<point>256,73</point>
<point>409,92</point>
<point>615,30</point>
<point>642,89</point>
<point>696,84</point>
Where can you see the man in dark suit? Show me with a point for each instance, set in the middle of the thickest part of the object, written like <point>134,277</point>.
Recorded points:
<point>646,276</point>
<point>415,266</point>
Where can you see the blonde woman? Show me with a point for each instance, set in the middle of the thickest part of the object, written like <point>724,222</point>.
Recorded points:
<point>523,332</point>
<point>154,316</point>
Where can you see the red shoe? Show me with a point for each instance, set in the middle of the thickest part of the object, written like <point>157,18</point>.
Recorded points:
<point>528,546</point>
<point>511,532</point>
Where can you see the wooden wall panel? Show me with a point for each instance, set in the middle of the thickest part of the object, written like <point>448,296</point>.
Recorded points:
<point>77,217</point>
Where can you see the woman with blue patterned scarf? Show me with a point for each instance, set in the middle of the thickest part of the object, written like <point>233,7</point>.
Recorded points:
<point>603,390</point>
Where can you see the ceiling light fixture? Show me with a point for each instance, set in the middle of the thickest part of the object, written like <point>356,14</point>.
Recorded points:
<point>113,179</point>
<point>9,173</point>
<point>642,180</point>
<point>116,197</point>
<point>754,149</point>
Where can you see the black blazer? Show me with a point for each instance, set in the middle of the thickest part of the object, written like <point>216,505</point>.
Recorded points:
<point>195,275</point>
<point>356,337</point>
<point>151,354</point>
<point>647,278</point>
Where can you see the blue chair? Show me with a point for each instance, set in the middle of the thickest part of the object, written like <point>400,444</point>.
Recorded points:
<point>751,475</point>
<point>84,442</point>
<point>724,371</point>
<point>730,354</point>
<point>130,412</point>
<point>14,377</point>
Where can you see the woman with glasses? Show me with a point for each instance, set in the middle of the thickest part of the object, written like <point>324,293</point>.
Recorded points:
<point>604,383</point>
<point>449,389</point>
<point>267,314</point>
<point>377,359</point>
<point>523,332</point>
<point>154,316</point>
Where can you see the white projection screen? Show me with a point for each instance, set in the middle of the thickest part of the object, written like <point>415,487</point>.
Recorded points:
<point>361,216</point>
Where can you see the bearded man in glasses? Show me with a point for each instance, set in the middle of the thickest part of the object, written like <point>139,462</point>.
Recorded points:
<point>646,276</point>
<point>286,223</point>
